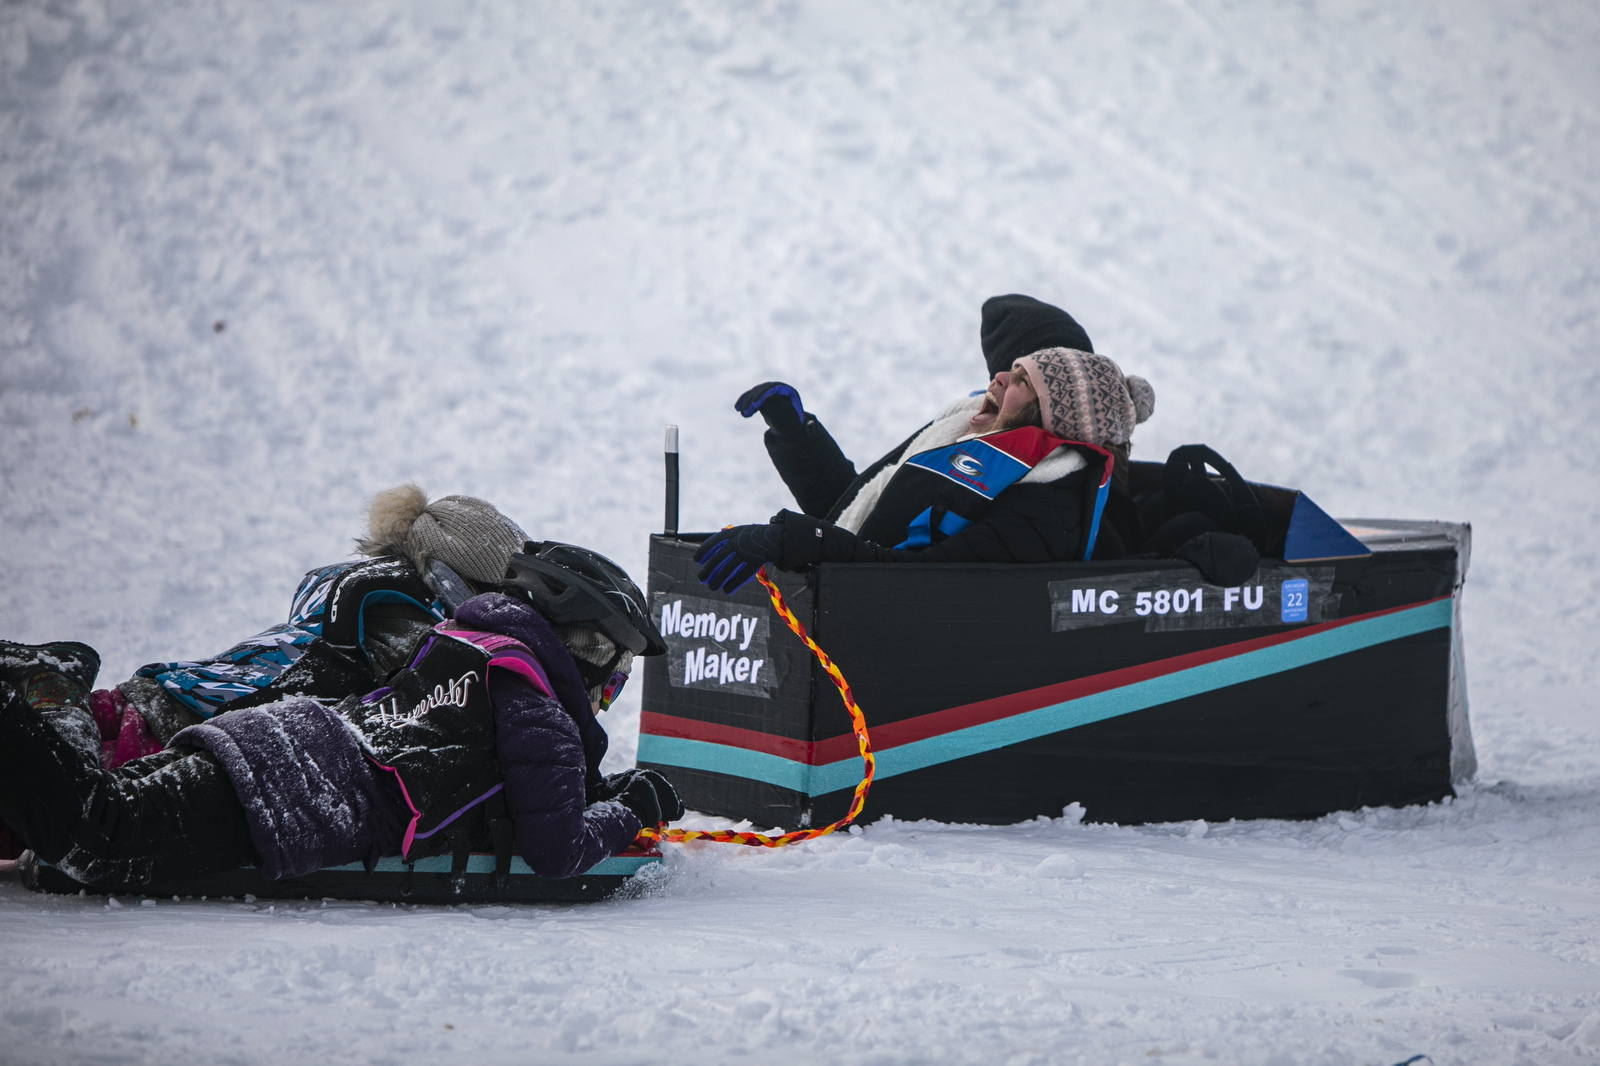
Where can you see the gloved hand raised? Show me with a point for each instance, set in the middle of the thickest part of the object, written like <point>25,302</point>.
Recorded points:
<point>647,794</point>
<point>778,403</point>
<point>732,556</point>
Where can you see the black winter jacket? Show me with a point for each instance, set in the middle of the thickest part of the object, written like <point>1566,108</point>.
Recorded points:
<point>816,471</point>
<point>1026,523</point>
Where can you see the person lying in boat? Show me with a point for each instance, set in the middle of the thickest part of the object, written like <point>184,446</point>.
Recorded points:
<point>1018,474</point>
<point>483,738</point>
<point>811,462</point>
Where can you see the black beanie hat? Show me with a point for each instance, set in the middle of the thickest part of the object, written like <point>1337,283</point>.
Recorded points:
<point>1015,326</point>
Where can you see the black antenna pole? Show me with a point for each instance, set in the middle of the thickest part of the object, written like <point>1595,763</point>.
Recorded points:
<point>670,527</point>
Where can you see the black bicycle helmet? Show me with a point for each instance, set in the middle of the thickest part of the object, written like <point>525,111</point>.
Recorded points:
<point>572,585</point>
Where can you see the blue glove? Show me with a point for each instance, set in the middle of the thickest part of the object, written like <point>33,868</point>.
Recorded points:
<point>778,403</point>
<point>732,556</point>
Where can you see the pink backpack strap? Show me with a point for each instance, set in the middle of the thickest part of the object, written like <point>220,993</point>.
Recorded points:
<point>507,653</point>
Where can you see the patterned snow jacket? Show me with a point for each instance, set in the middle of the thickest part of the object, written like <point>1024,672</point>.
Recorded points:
<point>349,625</point>
<point>485,739</point>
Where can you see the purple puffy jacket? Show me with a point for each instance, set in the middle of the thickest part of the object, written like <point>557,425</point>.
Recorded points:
<point>312,800</point>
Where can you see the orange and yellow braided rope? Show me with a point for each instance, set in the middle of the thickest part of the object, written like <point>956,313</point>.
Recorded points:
<point>858,722</point>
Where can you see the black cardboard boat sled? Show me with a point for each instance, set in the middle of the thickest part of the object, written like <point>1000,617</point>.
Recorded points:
<point>999,692</point>
<point>393,881</point>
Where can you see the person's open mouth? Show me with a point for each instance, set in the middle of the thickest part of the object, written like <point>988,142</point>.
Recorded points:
<point>988,412</point>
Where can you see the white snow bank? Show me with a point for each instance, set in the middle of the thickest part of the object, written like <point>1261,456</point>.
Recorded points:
<point>1464,930</point>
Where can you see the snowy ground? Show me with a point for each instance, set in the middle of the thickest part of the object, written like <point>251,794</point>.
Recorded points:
<point>260,261</point>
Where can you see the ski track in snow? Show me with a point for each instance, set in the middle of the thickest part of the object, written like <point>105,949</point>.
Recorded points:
<point>494,249</point>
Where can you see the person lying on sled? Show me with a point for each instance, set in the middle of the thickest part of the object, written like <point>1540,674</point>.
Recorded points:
<point>349,626</point>
<point>483,738</point>
<point>1018,474</point>
<point>813,466</point>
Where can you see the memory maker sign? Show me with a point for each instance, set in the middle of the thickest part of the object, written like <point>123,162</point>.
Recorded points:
<point>712,646</point>
<point>1166,600</point>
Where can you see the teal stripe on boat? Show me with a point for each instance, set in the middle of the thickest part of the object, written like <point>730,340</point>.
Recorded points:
<point>1030,725</point>
<point>726,759</point>
<point>1139,696</point>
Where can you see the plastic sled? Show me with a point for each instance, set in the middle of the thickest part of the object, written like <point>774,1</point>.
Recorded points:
<point>393,881</point>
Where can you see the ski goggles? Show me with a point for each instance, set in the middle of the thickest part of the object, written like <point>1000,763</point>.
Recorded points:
<point>612,689</point>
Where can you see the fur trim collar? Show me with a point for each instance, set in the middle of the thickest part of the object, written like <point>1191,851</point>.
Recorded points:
<point>950,428</point>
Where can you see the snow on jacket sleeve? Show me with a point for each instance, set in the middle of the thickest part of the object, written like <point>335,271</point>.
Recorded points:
<point>310,798</point>
<point>541,756</point>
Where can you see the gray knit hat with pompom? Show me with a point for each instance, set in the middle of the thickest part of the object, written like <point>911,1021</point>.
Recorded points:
<point>463,532</point>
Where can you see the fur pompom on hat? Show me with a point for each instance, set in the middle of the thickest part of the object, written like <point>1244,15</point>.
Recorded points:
<point>1085,397</point>
<point>463,532</point>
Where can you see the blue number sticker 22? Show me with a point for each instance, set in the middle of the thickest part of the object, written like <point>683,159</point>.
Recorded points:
<point>1293,600</point>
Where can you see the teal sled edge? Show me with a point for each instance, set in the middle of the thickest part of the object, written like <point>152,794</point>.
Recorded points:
<point>616,865</point>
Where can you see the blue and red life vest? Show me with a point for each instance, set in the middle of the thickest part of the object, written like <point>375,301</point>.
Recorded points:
<point>937,493</point>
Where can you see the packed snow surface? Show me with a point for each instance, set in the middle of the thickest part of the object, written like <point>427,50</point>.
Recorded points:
<point>259,261</point>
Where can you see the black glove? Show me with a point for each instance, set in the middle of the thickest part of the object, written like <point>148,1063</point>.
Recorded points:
<point>778,403</point>
<point>732,556</point>
<point>646,793</point>
<point>1225,559</point>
